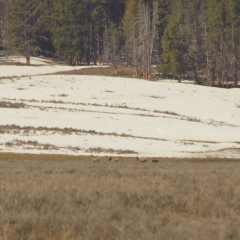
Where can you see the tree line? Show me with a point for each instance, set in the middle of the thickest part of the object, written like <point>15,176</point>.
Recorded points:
<point>200,38</point>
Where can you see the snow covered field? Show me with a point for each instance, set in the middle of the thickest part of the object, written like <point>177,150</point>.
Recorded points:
<point>84,115</point>
<point>38,66</point>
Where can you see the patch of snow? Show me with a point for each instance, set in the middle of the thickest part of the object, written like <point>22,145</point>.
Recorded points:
<point>38,66</point>
<point>145,118</point>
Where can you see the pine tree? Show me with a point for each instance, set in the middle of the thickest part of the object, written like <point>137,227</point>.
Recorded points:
<point>214,39</point>
<point>174,44</point>
<point>194,25</point>
<point>44,33</point>
<point>1,22</point>
<point>130,34</point>
<point>24,25</point>
<point>232,31</point>
<point>67,29</point>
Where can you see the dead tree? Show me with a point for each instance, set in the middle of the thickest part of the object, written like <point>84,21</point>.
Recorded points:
<point>4,22</point>
<point>112,46</point>
<point>146,27</point>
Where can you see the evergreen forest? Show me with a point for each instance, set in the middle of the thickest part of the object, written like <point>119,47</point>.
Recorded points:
<point>197,38</point>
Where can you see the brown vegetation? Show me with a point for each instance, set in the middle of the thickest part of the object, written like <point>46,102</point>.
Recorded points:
<point>80,200</point>
<point>7,104</point>
<point>104,71</point>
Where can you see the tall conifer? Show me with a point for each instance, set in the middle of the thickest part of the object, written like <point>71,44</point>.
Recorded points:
<point>24,26</point>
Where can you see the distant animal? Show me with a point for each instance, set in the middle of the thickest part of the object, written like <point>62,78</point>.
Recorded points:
<point>113,159</point>
<point>95,159</point>
<point>142,160</point>
<point>154,160</point>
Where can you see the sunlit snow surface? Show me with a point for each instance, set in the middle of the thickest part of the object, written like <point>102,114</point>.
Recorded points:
<point>83,115</point>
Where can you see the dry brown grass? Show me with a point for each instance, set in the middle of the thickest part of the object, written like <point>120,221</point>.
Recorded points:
<point>6,104</point>
<point>15,129</point>
<point>104,71</point>
<point>81,200</point>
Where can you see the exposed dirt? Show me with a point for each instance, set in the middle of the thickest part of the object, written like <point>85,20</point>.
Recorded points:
<point>104,71</point>
<point>12,63</point>
<point>4,104</point>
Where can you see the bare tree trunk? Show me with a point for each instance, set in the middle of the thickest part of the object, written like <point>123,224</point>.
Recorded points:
<point>98,46</point>
<point>134,53</point>
<point>27,44</point>
<point>111,46</point>
<point>140,41</point>
<point>207,52</point>
<point>152,35</point>
<point>233,62</point>
<point>148,30</point>
<point>5,23</point>
<point>179,78</point>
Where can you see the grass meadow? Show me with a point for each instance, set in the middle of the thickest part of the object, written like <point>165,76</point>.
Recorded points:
<point>71,199</point>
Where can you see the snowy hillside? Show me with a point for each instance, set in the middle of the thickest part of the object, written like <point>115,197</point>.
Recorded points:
<point>83,115</point>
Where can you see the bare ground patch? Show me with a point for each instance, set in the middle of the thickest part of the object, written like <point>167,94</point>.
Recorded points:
<point>13,63</point>
<point>26,130</point>
<point>30,145</point>
<point>103,71</point>
<point>35,145</point>
<point>7,104</point>
<point>224,152</point>
<point>110,150</point>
